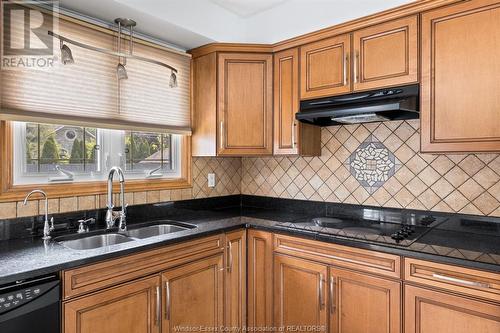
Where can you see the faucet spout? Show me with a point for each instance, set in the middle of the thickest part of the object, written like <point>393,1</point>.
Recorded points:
<point>46,227</point>
<point>111,215</point>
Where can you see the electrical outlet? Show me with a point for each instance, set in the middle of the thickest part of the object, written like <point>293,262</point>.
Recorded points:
<point>211,180</point>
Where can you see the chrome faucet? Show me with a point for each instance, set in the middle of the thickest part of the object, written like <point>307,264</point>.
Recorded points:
<point>112,215</point>
<point>46,227</point>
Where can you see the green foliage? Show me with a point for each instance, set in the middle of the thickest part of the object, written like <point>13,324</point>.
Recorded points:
<point>76,152</point>
<point>50,151</point>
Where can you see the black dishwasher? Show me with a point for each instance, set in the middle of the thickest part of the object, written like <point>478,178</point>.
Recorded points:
<point>32,305</point>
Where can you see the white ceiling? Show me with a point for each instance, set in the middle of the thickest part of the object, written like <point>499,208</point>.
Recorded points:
<point>192,23</point>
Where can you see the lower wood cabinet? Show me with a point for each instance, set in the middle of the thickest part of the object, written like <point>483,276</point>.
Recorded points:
<point>235,279</point>
<point>260,278</point>
<point>300,297</point>
<point>363,303</point>
<point>131,307</point>
<point>193,295</point>
<point>430,311</point>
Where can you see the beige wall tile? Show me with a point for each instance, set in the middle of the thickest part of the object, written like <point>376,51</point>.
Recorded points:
<point>87,202</point>
<point>68,204</point>
<point>140,198</point>
<point>53,206</point>
<point>30,209</point>
<point>153,196</point>
<point>8,210</point>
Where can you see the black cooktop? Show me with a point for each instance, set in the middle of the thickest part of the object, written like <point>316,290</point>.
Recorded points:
<point>371,225</point>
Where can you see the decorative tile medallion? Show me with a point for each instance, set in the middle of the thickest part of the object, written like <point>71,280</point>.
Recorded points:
<point>372,164</point>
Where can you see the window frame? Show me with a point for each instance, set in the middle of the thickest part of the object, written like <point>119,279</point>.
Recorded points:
<point>11,192</point>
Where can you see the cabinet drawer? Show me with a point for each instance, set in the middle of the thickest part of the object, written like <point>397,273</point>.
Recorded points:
<point>342,256</point>
<point>112,272</point>
<point>458,279</point>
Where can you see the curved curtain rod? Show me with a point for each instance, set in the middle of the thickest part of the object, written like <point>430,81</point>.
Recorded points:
<point>106,51</point>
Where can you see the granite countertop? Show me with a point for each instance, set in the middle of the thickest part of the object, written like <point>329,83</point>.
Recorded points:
<point>25,258</point>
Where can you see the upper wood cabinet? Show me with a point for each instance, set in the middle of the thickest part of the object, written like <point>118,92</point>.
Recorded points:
<point>300,297</point>
<point>132,307</point>
<point>232,102</point>
<point>379,56</point>
<point>193,295</point>
<point>325,67</point>
<point>363,303</point>
<point>235,279</point>
<point>429,311</point>
<point>386,54</point>
<point>291,137</point>
<point>460,91</point>
<point>245,105</point>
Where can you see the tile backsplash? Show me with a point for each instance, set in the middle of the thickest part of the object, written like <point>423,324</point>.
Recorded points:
<point>378,164</point>
<point>227,173</point>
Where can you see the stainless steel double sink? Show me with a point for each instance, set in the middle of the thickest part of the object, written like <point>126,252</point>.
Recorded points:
<point>90,242</point>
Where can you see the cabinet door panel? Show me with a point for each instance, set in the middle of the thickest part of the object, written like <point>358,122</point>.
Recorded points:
<point>386,54</point>
<point>286,101</point>
<point>245,104</point>
<point>325,67</point>
<point>460,70</point>
<point>130,308</point>
<point>236,274</point>
<point>363,303</point>
<point>260,278</point>
<point>428,311</point>
<point>193,295</point>
<point>299,292</point>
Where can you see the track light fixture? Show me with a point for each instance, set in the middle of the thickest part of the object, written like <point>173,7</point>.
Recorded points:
<point>66,56</point>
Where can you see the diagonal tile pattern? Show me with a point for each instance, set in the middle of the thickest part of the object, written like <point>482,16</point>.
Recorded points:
<point>465,183</point>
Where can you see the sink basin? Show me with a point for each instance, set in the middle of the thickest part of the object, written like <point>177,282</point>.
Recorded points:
<point>94,242</point>
<point>157,230</point>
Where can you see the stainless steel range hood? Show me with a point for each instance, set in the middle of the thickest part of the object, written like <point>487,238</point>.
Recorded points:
<point>378,105</point>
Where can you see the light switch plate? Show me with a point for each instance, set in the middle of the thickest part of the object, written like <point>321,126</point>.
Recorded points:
<point>211,180</point>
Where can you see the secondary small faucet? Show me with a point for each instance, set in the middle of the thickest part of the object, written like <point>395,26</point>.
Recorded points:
<point>112,215</point>
<point>46,227</point>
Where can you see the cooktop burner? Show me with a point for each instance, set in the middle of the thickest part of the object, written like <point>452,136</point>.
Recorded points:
<point>371,225</point>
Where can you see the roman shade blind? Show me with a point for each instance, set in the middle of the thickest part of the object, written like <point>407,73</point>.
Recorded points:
<point>86,92</point>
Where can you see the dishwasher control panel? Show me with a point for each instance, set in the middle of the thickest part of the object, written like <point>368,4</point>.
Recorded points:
<point>22,292</point>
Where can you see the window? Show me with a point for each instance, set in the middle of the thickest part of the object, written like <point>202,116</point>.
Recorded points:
<point>46,153</point>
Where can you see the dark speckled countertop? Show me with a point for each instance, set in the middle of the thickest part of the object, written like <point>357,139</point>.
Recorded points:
<point>457,242</point>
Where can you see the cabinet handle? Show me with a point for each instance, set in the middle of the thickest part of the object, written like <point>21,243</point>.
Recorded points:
<point>294,126</point>
<point>346,61</point>
<point>230,256</point>
<point>221,134</point>
<point>332,295</point>
<point>167,300</point>
<point>158,306</point>
<point>356,62</point>
<point>320,290</point>
<point>460,281</point>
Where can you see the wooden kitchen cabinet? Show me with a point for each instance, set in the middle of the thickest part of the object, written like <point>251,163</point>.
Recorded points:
<point>260,278</point>
<point>386,54</point>
<point>300,297</point>
<point>245,104</point>
<point>430,311</point>
<point>131,307</point>
<point>193,295</point>
<point>236,279</point>
<point>363,303</point>
<point>291,137</point>
<point>460,90</point>
<point>232,100</point>
<point>325,67</point>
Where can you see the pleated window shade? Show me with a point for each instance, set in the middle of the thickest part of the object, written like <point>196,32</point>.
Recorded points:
<point>85,93</point>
